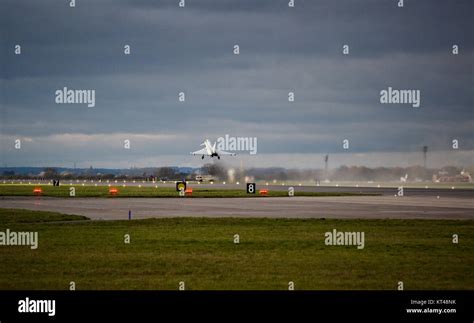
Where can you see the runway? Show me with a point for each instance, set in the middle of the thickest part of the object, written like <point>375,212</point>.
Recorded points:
<point>344,207</point>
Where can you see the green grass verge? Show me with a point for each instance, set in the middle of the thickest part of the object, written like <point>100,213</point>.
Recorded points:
<point>201,252</point>
<point>17,216</point>
<point>135,191</point>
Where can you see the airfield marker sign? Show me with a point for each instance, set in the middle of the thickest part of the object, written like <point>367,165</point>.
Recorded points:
<point>251,188</point>
<point>180,186</point>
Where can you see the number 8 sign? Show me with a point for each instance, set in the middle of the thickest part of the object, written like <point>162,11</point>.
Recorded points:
<point>251,188</point>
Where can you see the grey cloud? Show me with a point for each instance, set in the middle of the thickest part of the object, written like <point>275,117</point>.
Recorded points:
<point>282,49</point>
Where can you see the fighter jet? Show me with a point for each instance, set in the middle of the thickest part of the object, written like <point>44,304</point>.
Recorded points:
<point>211,151</point>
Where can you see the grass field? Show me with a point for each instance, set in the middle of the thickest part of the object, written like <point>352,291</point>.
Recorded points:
<point>201,252</point>
<point>135,191</point>
<point>394,184</point>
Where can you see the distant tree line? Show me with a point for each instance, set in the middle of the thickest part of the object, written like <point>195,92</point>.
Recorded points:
<point>220,172</point>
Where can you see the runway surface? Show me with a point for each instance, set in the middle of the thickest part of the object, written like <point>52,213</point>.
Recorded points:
<point>344,207</point>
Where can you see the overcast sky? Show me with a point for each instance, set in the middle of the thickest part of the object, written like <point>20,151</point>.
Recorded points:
<point>190,49</point>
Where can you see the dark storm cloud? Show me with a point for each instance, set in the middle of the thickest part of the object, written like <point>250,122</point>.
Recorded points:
<point>85,39</point>
<point>282,49</point>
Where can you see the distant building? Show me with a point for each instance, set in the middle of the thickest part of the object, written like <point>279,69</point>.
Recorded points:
<point>443,177</point>
<point>204,178</point>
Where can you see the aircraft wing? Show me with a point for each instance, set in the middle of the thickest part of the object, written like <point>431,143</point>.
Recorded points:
<point>200,152</point>
<point>221,152</point>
